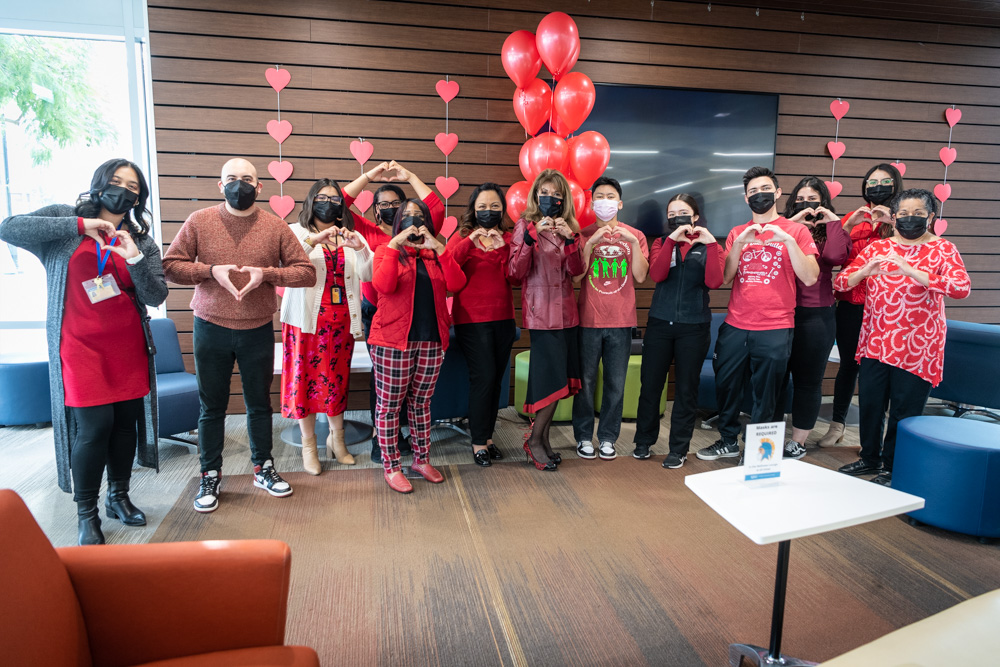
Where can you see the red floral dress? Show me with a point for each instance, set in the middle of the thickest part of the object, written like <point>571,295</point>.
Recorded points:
<point>315,371</point>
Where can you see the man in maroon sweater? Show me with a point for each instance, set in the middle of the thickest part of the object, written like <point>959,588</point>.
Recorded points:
<point>235,254</point>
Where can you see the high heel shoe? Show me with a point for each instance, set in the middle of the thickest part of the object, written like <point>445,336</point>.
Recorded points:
<point>531,459</point>
<point>556,458</point>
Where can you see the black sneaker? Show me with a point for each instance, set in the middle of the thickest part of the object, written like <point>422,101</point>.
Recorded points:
<point>585,450</point>
<point>404,445</point>
<point>860,467</point>
<point>267,478</point>
<point>207,499</point>
<point>884,479</point>
<point>641,452</point>
<point>674,460</point>
<point>376,451</point>
<point>607,451</point>
<point>719,450</point>
<point>794,450</point>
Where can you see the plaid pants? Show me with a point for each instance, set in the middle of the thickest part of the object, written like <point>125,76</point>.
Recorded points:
<point>409,374</point>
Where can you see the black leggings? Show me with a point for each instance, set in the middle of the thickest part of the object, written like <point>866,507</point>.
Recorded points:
<point>814,333</point>
<point>105,435</point>
<point>849,318</point>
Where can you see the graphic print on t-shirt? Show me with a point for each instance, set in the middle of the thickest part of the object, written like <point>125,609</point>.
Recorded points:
<point>761,263</point>
<point>609,267</point>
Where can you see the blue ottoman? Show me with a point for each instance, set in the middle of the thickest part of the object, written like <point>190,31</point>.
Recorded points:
<point>24,389</point>
<point>954,464</point>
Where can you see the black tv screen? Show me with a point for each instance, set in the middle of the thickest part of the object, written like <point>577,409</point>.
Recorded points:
<point>665,141</point>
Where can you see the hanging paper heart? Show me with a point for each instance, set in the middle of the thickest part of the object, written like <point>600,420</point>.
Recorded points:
<point>446,89</point>
<point>362,150</point>
<point>280,171</point>
<point>364,200</point>
<point>953,116</point>
<point>901,166</point>
<point>281,205</point>
<point>446,142</point>
<point>947,155</point>
<point>449,226</point>
<point>836,148</point>
<point>279,129</point>
<point>942,191</point>
<point>446,186</point>
<point>834,187</point>
<point>940,226</point>
<point>839,108</point>
<point>278,78</point>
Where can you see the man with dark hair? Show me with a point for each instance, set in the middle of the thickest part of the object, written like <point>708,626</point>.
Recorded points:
<point>765,256</point>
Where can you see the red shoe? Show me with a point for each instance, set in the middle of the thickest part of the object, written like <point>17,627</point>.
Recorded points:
<point>428,472</point>
<point>397,482</point>
<point>538,464</point>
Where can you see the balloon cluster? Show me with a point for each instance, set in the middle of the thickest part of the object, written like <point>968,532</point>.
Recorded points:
<point>582,158</point>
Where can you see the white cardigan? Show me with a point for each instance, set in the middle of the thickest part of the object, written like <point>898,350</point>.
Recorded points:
<point>300,305</point>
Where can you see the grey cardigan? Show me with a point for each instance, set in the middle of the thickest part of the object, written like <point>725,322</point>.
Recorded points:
<point>50,233</point>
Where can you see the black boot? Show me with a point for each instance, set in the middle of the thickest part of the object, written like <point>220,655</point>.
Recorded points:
<point>119,506</point>
<point>89,520</point>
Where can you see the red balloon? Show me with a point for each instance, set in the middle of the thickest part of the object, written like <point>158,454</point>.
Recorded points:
<point>520,57</point>
<point>558,43</point>
<point>559,126</point>
<point>517,199</point>
<point>548,151</point>
<point>524,162</point>
<point>532,105</point>
<point>589,156</point>
<point>586,216</point>
<point>574,99</point>
<point>579,197</point>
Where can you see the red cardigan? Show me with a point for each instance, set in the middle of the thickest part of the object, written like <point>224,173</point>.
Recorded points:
<point>396,283</point>
<point>486,296</point>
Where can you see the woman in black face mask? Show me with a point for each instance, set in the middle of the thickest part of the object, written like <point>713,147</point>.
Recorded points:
<point>102,269</point>
<point>867,224</point>
<point>484,310</point>
<point>321,323</point>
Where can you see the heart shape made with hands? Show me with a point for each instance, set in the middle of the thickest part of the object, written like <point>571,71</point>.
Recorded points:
<point>449,226</point>
<point>279,130</point>
<point>836,148</point>
<point>953,116</point>
<point>238,292</point>
<point>489,242</point>
<point>947,155</point>
<point>901,167</point>
<point>839,108</point>
<point>940,226</point>
<point>834,187</point>
<point>446,142</point>
<point>278,78</point>
<point>942,191</point>
<point>281,205</point>
<point>446,186</point>
<point>280,171</point>
<point>362,151</point>
<point>364,200</point>
<point>448,90</point>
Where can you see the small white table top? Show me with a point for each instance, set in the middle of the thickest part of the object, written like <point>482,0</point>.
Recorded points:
<point>361,362</point>
<point>807,500</point>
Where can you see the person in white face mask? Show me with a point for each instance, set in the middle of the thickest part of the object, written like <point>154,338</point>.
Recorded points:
<point>615,257</point>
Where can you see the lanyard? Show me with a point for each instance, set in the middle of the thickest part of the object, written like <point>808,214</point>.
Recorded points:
<point>102,259</point>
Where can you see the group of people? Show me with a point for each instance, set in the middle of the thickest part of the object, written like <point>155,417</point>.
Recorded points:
<point>346,278</point>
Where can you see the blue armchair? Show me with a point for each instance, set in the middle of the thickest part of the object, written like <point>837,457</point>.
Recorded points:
<point>971,368</point>
<point>176,389</point>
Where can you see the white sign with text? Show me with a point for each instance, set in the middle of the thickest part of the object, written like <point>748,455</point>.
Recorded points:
<point>762,454</point>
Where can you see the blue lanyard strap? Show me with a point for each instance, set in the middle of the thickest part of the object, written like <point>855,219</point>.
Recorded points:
<point>102,258</point>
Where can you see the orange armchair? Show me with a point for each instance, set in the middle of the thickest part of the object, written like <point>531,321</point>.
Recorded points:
<point>168,605</point>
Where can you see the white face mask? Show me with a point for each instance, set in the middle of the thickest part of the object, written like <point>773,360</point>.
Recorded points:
<point>605,209</point>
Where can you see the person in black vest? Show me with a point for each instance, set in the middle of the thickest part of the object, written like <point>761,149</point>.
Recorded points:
<point>685,264</point>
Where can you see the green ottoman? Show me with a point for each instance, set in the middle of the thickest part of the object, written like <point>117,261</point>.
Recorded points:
<point>564,409</point>
<point>633,381</point>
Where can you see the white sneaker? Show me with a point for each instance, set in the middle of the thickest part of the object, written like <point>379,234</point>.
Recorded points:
<point>585,450</point>
<point>267,478</point>
<point>207,499</point>
<point>608,451</point>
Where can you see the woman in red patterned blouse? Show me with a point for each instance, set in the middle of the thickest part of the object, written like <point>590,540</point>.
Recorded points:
<point>901,349</point>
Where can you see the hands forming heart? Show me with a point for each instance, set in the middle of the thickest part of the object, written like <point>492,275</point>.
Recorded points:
<point>221,274</point>
<point>749,235</point>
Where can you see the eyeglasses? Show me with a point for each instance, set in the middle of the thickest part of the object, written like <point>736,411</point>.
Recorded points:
<point>885,181</point>
<point>395,203</point>
<point>334,199</point>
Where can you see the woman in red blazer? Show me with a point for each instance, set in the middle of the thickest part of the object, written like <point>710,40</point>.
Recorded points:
<point>409,335</point>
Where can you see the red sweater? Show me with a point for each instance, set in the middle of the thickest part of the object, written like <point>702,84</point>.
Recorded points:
<point>487,296</point>
<point>396,283</point>
<point>862,235</point>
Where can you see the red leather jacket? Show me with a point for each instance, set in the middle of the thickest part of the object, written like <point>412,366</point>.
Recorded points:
<point>545,269</point>
<point>396,283</point>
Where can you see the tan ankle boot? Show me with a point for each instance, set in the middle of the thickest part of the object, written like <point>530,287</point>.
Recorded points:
<point>834,436</point>
<point>335,444</point>
<point>310,457</point>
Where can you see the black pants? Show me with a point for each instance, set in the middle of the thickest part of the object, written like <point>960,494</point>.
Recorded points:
<point>815,331</point>
<point>882,385</point>
<point>849,318</point>
<point>105,435</point>
<point>216,349</point>
<point>754,358</point>
<point>486,347</point>
<point>367,315</point>
<point>685,345</point>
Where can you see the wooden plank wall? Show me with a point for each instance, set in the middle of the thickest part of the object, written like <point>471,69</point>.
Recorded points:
<point>368,68</point>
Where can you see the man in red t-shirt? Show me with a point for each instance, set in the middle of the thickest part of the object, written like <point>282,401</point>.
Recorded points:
<point>616,258</point>
<point>765,256</point>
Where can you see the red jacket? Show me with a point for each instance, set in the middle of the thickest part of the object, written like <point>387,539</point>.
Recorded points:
<point>486,296</point>
<point>545,270</point>
<point>864,234</point>
<point>396,284</point>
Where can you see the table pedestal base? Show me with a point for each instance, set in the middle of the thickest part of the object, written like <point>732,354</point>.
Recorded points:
<point>759,657</point>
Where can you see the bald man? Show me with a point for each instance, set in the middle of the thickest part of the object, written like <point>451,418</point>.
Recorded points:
<point>235,254</point>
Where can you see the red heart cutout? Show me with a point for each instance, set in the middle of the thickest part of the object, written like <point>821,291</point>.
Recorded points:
<point>449,226</point>
<point>446,186</point>
<point>446,142</point>
<point>282,205</point>
<point>364,200</point>
<point>362,150</point>
<point>942,191</point>
<point>280,171</point>
<point>446,89</point>
<point>836,148</point>
<point>279,129</point>
<point>278,78</point>
<point>940,226</point>
<point>947,155</point>
<point>839,108</point>
<point>834,187</point>
<point>901,166</point>
<point>953,116</point>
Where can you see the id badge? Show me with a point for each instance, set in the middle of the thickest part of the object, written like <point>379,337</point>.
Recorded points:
<point>336,295</point>
<point>101,288</point>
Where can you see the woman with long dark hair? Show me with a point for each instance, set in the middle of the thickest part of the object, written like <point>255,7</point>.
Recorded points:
<point>102,268</point>
<point>321,323</point>
<point>484,311</point>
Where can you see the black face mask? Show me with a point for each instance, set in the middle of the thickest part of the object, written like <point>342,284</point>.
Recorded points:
<point>412,221</point>
<point>803,205</point>
<point>387,215</point>
<point>550,207</point>
<point>489,219</point>
<point>240,194</point>
<point>879,194</point>
<point>761,202</point>
<point>911,227</point>
<point>116,199</point>
<point>677,221</point>
<point>328,211</point>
